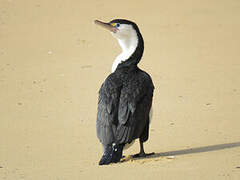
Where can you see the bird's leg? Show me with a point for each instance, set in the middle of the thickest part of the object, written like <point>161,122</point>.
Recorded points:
<point>142,152</point>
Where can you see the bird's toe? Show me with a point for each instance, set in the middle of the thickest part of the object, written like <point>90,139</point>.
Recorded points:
<point>142,155</point>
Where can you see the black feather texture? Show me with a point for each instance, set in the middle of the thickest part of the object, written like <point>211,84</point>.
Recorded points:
<point>125,100</point>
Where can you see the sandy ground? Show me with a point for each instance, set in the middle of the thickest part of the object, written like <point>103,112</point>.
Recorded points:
<point>53,60</point>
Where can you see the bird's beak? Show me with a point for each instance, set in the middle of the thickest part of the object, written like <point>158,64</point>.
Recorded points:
<point>106,26</point>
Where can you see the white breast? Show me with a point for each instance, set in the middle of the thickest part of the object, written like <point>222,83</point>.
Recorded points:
<point>128,40</point>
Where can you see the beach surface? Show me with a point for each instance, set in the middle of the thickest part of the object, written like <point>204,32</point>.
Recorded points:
<point>53,60</point>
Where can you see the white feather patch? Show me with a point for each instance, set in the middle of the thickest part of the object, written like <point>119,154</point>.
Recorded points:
<point>150,115</point>
<point>128,40</point>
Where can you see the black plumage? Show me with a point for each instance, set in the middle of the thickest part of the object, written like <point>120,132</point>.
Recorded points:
<point>125,100</point>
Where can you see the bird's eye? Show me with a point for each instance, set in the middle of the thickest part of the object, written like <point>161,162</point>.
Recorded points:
<point>117,24</point>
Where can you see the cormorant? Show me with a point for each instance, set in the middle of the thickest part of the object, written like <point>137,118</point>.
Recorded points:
<point>125,97</point>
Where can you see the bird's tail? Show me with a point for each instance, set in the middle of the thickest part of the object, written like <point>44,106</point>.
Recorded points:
<point>112,154</point>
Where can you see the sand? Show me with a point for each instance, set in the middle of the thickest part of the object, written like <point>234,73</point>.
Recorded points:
<point>53,60</point>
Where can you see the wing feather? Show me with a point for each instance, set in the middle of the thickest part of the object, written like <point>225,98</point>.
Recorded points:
<point>123,108</point>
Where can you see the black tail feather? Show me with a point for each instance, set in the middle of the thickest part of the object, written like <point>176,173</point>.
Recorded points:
<point>112,154</point>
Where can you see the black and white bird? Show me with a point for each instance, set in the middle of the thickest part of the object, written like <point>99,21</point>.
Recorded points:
<point>125,97</point>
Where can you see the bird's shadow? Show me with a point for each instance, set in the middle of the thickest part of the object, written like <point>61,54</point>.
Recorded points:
<point>193,150</point>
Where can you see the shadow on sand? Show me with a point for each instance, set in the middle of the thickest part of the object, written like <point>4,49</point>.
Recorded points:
<point>194,150</point>
<point>198,149</point>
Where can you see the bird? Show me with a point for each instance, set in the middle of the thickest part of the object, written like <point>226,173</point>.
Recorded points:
<point>125,97</point>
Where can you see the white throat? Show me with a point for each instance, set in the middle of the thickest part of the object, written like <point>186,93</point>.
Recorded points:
<point>128,41</point>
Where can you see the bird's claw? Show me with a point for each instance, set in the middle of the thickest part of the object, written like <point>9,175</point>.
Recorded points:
<point>142,155</point>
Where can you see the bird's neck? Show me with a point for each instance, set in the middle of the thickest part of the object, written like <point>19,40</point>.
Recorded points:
<point>129,46</point>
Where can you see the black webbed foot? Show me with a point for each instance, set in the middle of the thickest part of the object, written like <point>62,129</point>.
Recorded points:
<point>142,155</point>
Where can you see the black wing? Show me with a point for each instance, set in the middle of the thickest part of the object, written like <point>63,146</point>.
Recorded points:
<point>123,108</point>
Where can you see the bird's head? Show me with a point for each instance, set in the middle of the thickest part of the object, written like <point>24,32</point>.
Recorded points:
<point>121,29</point>
<point>129,38</point>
